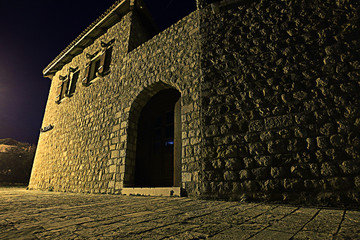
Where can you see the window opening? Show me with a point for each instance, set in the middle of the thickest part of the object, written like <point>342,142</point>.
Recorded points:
<point>67,85</point>
<point>95,64</point>
<point>62,88</point>
<point>99,64</point>
<point>74,76</point>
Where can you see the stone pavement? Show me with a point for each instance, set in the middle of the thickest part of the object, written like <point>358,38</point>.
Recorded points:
<point>49,215</point>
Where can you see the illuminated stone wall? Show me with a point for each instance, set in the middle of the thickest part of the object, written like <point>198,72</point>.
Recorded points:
<point>280,101</point>
<point>87,149</point>
<point>269,96</point>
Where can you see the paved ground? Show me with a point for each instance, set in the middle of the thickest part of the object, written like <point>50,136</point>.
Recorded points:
<point>48,215</point>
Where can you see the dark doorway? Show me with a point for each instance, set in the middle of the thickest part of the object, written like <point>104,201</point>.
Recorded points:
<point>157,151</point>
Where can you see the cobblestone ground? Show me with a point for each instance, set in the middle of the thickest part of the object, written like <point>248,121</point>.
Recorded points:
<point>49,215</point>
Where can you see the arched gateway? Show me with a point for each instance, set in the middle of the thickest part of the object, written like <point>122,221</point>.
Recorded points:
<point>157,140</point>
<point>155,133</point>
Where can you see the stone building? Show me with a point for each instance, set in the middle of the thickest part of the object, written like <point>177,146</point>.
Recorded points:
<point>242,100</point>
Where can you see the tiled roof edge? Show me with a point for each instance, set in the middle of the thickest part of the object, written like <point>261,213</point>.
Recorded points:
<point>117,4</point>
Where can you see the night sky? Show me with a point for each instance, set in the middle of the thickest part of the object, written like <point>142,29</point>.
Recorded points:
<point>32,34</point>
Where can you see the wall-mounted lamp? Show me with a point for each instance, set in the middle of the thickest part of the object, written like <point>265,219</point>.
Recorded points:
<point>47,128</point>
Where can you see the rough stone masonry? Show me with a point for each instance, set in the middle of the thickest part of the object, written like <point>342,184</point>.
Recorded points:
<point>269,103</point>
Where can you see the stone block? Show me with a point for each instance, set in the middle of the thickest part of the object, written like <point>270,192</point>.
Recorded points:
<point>243,125</point>
<point>123,138</point>
<point>111,184</point>
<point>350,167</point>
<point>249,162</point>
<point>261,172</point>
<point>123,125</point>
<point>284,133</point>
<point>328,169</point>
<point>115,154</point>
<point>187,108</point>
<point>314,169</point>
<point>357,182</point>
<point>300,133</point>
<point>311,143</point>
<point>339,184</point>
<point>252,137</point>
<point>112,168</point>
<point>116,128</point>
<point>264,161</point>
<point>233,164</point>
<point>296,145</point>
<point>227,151</point>
<point>352,152</point>
<point>301,171</point>
<point>186,177</point>
<point>266,136</point>
<point>277,146</point>
<point>328,129</point>
<point>250,186</point>
<point>300,95</point>
<point>256,126</point>
<point>311,185</point>
<point>271,185</point>
<point>322,142</point>
<point>337,140</point>
<point>279,122</point>
<point>245,174</point>
<point>122,169</point>
<point>291,184</point>
<point>118,115</point>
<point>184,135</point>
<point>211,130</point>
<point>257,148</point>
<point>217,164</point>
<point>230,176</point>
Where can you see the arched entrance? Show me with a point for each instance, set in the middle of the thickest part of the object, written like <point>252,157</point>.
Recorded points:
<point>158,145</point>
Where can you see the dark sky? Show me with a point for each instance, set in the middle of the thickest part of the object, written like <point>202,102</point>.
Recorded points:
<point>32,34</point>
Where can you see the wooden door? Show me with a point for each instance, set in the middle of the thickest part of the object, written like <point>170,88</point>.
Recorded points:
<point>154,166</point>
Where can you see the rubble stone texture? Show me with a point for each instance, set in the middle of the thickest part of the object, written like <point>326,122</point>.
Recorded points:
<point>269,104</point>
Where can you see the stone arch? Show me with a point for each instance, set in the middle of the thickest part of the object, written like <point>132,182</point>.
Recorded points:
<point>134,113</point>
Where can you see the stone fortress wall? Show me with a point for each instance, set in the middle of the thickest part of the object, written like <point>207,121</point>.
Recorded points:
<point>280,101</point>
<point>269,104</point>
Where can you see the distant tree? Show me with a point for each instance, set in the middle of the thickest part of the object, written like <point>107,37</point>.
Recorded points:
<point>16,163</point>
